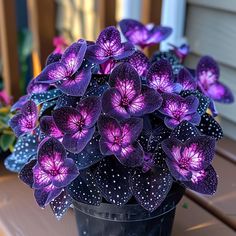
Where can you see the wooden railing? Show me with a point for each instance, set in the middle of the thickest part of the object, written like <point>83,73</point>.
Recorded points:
<point>41,19</point>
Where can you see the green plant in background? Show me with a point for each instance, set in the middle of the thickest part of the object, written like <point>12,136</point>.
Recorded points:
<point>24,51</point>
<point>7,137</point>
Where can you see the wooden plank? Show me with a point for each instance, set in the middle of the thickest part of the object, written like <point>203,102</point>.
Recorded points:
<point>151,13</point>
<point>226,5</point>
<point>20,215</point>
<point>107,13</point>
<point>42,24</point>
<point>195,221</point>
<point>9,50</point>
<point>226,148</point>
<point>222,204</point>
<point>212,32</point>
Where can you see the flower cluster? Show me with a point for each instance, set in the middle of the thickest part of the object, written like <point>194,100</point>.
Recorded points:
<point>103,121</point>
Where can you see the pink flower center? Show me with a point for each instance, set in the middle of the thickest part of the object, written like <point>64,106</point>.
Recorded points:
<point>184,163</point>
<point>125,102</point>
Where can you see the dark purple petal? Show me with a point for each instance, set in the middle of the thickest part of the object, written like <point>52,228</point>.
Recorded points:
<point>44,196</point>
<point>26,120</point>
<point>178,109</point>
<point>131,129</point>
<point>209,126</point>
<point>109,128</point>
<point>125,78</point>
<point>220,93</point>
<point>184,131</point>
<point>67,172</point>
<point>183,159</point>
<point>131,155</point>
<point>158,34</point>
<point>107,67</point>
<point>76,142</point>
<point>83,189</point>
<point>181,51</point>
<point>53,57</point>
<point>108,148</point>
<point>36,87</point>
<point>204,181</point>
<point>160,77</point>
<point>51,151</point>
<point>147,102</point>
<point>148,162</point>
<point>109,39</point>
<point>204,101</point>
<point>67,119</point>
<point>90,109</point>
<point>18,105</point>
<point>89,156</point>
<point>207,71</point>
<point>41,178</point>
<point>177,172</point>
<point>140,62</point>
<point>29,109</point>
<point>134,31</point>
<point>61,204</point>
<point>96,54</point>
<point>48,126</point>
<point>112,104</point>
<point>213,109</point>
<point>77,84</point>
<point>112,179</point>
<point>126,50</point>
<point>199,151</point>
<point>173,149</point>
<point>26,173</point>
<point>151,188</point>
<point>52,73</point>
<point>73,56</point>
<point>21,125</point>
<point>187,81</point>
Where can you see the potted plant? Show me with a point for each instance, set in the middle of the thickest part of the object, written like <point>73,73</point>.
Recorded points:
<point>117,135</point>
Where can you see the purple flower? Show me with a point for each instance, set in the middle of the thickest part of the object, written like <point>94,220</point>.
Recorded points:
<point>49,127</point>
<point>208,81</point>
<point>186,79</point>
<point>143,35</point>
<point>177,109</point>
<point>67,74</point>
<point>119,139</point>
<point>189,162</point>
<point>25,121</point>
<point>77,124</point>
<point>36,87</point>
<point>160,77</point>
<point>127,97</point>
<point>108,46</point>
<point>182,51</point>
<point>52,172</point>
<point>140,62</point>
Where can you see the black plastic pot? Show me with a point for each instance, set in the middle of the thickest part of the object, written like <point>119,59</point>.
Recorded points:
<point>128,220</point>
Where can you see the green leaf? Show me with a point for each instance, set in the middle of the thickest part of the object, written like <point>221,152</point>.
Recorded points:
<point>185,205</point>
<point>6,140</point>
